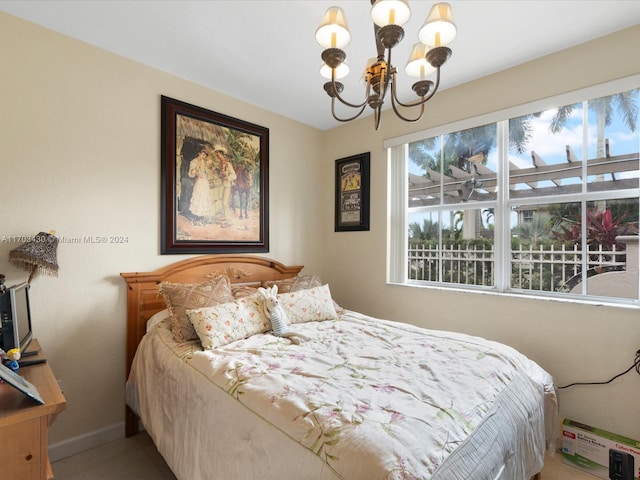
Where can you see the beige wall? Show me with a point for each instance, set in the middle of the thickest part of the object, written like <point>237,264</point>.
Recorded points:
<point>573,342</point>
<point>80,153</point>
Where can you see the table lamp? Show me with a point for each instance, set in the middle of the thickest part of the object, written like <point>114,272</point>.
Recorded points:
<point>37,255</point>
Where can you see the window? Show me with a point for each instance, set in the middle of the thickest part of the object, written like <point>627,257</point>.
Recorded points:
<point>543,201</point>
<point>526,216</point>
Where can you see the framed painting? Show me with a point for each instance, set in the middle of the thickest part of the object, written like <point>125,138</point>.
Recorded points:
<point>352,193</point>
<point>214,182</point>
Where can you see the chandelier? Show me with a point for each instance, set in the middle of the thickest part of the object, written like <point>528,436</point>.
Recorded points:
<point>426,57</point>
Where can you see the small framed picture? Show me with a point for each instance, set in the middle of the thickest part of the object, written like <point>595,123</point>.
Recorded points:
<point>352,193</point>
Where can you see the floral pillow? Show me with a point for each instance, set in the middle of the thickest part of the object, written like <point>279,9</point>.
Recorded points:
<point>221,324</point>
<point>301,282</point>
<point>309,305</point>
<point>180,297</point>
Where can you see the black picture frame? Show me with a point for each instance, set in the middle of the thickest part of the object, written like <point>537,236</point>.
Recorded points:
<point>232,215</point>
<point>352,193</point>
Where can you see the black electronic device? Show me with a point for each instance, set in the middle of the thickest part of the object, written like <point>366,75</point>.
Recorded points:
<point>15,317</point>
<point>621,465</point>
<point>27,363</point>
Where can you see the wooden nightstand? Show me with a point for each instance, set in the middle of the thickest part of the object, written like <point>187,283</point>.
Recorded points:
<point>24,424</point>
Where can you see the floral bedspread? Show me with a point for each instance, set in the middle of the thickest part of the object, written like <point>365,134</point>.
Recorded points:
<point>380,400</point>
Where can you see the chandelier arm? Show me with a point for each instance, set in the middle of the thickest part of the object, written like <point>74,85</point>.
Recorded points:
<point>342,100</point>
<point>420,101</point>
<point>394,100</point>
<point>333,112</point>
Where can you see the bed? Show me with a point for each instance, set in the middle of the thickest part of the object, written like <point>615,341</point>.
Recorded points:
<point>357,398</point>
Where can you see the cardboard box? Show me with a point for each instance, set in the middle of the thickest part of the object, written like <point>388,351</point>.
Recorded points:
<point>600,453</point>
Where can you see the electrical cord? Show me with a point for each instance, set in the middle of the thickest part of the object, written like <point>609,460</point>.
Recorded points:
<point>636,366</point>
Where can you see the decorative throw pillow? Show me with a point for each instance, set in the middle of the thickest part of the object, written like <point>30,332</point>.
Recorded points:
<point>312,304</point>
<point>221,324</point>
<point>180,297</point>
<point>241,291</point>
<point>298,283</point>
<point>294,284</point>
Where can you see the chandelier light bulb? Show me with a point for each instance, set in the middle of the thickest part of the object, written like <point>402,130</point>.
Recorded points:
<point>342,71</point>
<point>390,12</point>
<point>333,31</point>
<point>418,66</point>
<point>439,29</point>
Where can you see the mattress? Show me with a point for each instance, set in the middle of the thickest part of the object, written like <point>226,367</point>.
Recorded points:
<point>361,398</point>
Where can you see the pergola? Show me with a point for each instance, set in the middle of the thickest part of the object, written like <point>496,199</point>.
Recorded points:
<point>541,179</point>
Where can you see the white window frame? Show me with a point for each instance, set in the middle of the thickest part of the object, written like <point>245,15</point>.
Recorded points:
<point>397,188</point>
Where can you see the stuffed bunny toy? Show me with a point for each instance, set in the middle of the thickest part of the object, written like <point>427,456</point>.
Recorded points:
<point>277,316</point>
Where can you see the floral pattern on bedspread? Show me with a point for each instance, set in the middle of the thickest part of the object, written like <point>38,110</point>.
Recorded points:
<point>373,399</point>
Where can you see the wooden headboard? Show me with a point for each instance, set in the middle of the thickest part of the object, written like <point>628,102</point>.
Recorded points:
<point>143,299</point>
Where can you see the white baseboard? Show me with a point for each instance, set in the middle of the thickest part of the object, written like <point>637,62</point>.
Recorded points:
<point>87,441</point>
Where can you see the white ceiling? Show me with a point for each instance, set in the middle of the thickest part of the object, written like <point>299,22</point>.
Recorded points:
<point>265,53</point>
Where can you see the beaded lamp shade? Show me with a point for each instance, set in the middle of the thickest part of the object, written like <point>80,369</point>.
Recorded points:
<point>37,255</point>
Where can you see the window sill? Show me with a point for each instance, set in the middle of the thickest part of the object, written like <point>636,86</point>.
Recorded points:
<point>594,301</point>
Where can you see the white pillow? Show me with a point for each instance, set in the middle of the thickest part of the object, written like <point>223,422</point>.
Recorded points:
<point>310,305</point>
<point>224,323</point>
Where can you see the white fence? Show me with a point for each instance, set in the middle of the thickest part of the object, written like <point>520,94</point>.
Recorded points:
<point>546,269</point>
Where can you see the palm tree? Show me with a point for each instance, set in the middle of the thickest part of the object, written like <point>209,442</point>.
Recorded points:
<point>604,108</point>
<point>624,103</point>
<point>533,231</point>
<point>419,154</point>
<point>429,230</point>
